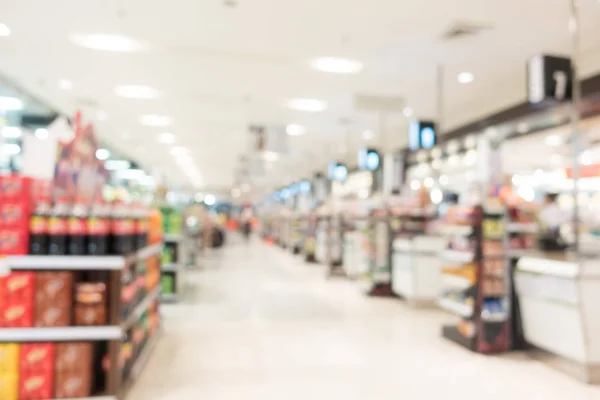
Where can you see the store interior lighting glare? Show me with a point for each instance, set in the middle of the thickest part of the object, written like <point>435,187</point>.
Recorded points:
<point>11,132</point>
<point>4,30</point>
<point>436,196</point>
<point>465,77</point>
<point>102,154</point>
<point>11,149</point>
<point>155,120</point>
<point>309,105</point>
<point>337,65</point>
<point>407,112</point>
<point>443,180</point>
<point>10,103</point>
<point>415,185</point>
<point>553,140</point>
<point>209,199</point>
<point>368,134</point>
<point>117,165</point>
<point>65,84</point>
<point>295,130</point>
<point>136,92</point>
<point>166,138</point>
<point>41,133</point>
<point>106,42</point>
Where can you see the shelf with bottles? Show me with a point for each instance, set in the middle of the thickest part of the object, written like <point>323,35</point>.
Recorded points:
<point>474,280</point>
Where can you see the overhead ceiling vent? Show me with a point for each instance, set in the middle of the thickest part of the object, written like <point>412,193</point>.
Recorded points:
<point>462,29</point>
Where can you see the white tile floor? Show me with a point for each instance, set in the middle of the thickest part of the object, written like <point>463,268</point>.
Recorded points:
<point>261,324</point>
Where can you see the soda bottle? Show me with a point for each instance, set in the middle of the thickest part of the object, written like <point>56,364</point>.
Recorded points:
<point>98,229</point>
<point>120,230</point>
<point>58,228</point>
<point>77,228</point>
<point>38,228</point>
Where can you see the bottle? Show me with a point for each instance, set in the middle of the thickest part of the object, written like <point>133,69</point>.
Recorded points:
<point>98,229</point>
<point>58,228</point>
<point>38,228</point>
<point>141,227</point>
<point>77,229</point>
<point>120,242</point>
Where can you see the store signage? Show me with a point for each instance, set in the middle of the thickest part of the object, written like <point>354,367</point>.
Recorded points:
<point>421,135</point>
<point>549,79</point>
<point>354,184</point>
<point>369,159</point>
<point>337,172</point>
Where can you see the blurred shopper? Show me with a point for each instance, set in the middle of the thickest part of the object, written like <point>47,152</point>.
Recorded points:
<point>246,221</point>
<point>551,218</point>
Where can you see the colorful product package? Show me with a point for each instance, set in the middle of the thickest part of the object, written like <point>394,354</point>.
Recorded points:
<point>9,387</point>
<point>73,384</point>
<point>36,385</point>
<point>74,356</point>
<point>9,359</point>
<point>36,357</point>
<point>14,241</point>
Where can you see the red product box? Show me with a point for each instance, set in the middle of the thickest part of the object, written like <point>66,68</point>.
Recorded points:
<point>19,286</point>
<point>14,241</point>
<point>14,214</point>
<point>36,385</point>
<point>37,357</point>
<point>14,187</point>
<point>18,315</point>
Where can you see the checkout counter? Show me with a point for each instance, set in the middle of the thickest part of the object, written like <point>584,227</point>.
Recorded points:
<point>559,297</point>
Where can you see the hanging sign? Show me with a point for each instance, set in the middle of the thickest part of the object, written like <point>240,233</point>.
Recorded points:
<point>549,79</point>
<point>421,135</point>
<point>369,159</point>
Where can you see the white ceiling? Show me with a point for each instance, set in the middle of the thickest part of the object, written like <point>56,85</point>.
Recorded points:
<point>219,69</point>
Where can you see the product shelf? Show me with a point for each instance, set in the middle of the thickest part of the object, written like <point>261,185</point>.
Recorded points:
<point>455,307</point>
<point>172,267</point>
<point>455,281</point>
<point>172,237</point>
<point>136,314</point>
<point>169,297</point>
<point>79,263</point>
<point>61,334</point>
<point>93,398</point>
<point>457,256</point>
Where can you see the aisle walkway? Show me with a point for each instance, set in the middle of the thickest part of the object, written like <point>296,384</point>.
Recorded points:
<point>261,324</point>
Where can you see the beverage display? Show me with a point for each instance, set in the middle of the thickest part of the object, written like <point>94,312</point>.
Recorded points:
<point>98,229</point>
<point>58,228</point>
<point>77,229</point>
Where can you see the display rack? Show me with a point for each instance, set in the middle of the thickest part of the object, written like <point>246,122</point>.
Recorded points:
<point>172,267</point>
<point>131,321</point>
<point>415,255</point>
<point>380,258</point>
<point>475,279</point>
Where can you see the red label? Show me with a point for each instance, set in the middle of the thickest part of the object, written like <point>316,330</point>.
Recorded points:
<point>122,227</point>
<point>77,226</point>
<point>141,226</point>
<point>38,225</point>
<point>58,226</point>
<point>12,213</point>
<point>98,226</point>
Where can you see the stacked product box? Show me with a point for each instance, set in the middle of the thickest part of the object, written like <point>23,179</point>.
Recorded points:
<point>39,371</point>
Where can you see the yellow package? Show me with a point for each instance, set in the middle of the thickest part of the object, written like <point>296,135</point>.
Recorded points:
<point>9,359</point>
<point>9,387</point>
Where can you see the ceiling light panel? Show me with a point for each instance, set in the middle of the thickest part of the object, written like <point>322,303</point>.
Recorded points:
<point>155,120</point>
<point>107,42</point>
<point>10,104</point>
<point>4,30</point>
<point>65,84</point>
<point>295,130</point>
<point>337,65</point>
<point>136,92</point>
<point>465,77</point>
<point>166,138</point>
<point>309,105</point>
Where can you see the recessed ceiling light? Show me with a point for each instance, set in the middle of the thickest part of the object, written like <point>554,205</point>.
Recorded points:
<point>209,199</point>
<point>407,111</point>
<point>11,149</point>
<point>10,103</point>
<point>465,77</point>
<point>101,115</point>
<point>166,138</point>
<point>179,151</point>
<point>102,154</point>
<point>295,130</point>
<point>41,133</point>
<point>310,105</point>
<point>336,65</point>
<point>553,140</point>
<point>11,132</point>
<point>4,30</point>
<point>155,120</point>
<point>368,134</point>
<point>65,84</point>
<point>136,92</point>
<point>107,42</point>
<point>270,156</point>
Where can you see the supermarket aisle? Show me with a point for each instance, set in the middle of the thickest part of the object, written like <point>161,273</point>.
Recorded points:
<point>264,325</point>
